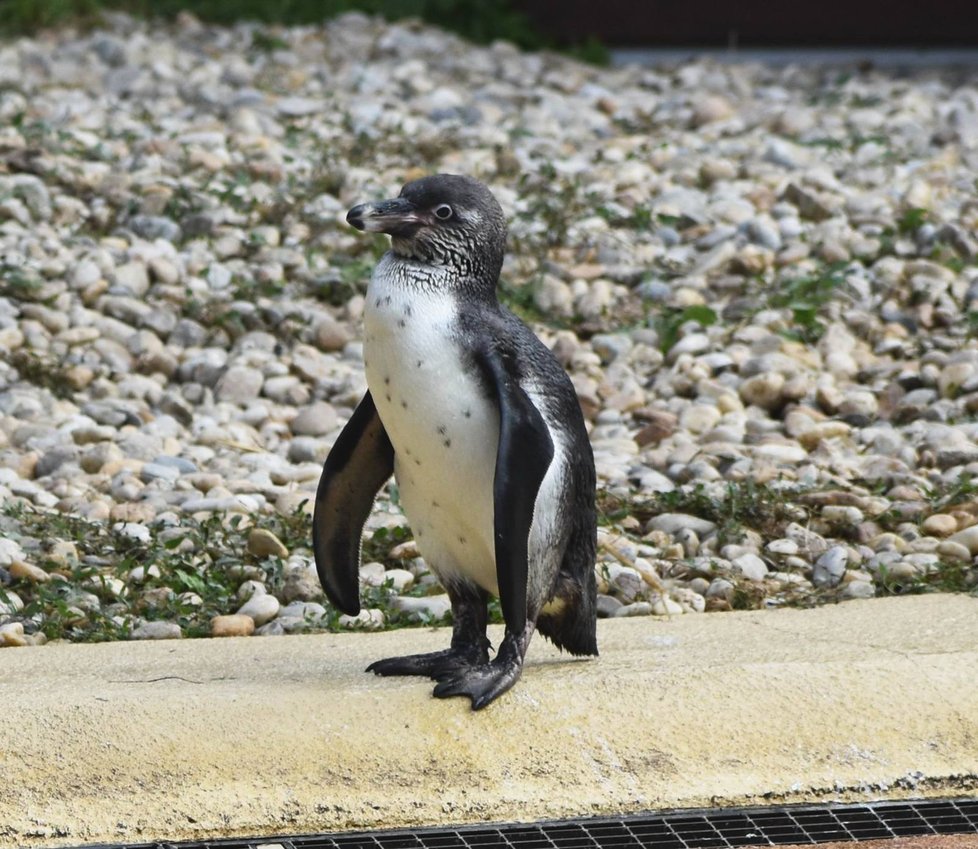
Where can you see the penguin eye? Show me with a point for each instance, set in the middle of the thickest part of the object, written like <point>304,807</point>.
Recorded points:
<point>443,212</point>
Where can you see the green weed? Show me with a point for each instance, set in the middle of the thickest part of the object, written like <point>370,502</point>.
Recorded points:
<point>669,320</point>
<point>806,297</point>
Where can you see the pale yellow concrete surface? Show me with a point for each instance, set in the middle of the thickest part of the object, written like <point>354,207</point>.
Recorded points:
<point>130,742</point>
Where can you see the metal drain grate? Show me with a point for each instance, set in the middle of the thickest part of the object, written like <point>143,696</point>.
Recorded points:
<point>707,829</point>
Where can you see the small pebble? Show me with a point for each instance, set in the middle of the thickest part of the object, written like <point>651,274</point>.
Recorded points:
<point>830,567</point>
<point>12,635</point>
<point>28,572</point>
<point>260,608</point>
<point>263,543</point>
<point>233,625</point>
<point>939,525</point>
<point>156,630</point>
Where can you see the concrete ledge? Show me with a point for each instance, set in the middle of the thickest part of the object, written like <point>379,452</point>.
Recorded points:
<point>134,742</point>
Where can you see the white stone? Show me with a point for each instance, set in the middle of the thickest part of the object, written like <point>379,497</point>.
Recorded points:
<point>842,514</point>
<point>432,608</point>
<point>261,608</point>
<point>368,619</point>
<point>10,602</point>
<point>665,606</point>
<point>751,566</point>
<point>830,566</point>
<point>10,551</point>
<point>967,538</point>
<point>785,547</point>
<point>399,579</point>
<point>672,523</point>
<point>859,589</point>
<point>636,608</point>
<point>157,630</point>
<point>12,634</point>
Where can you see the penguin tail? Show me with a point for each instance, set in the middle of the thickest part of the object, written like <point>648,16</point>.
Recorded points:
<point>570,624</point>
<point>569,619</point>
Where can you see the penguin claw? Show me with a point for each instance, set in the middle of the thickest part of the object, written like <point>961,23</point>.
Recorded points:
<point>482,684</point>
<point>437,665</point>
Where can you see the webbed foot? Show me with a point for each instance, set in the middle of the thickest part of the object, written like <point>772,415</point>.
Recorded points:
<point>487,681</point>
<point>482,683</point>
<point>437,665</point>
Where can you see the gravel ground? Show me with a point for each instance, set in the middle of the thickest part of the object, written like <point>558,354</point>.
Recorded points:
<point>761,280</point>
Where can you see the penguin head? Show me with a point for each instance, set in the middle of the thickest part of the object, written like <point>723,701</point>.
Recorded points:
<point>445,219</point>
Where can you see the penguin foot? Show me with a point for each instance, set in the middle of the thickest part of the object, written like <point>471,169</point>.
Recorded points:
<point>482,683</point>
<point>438,665</point>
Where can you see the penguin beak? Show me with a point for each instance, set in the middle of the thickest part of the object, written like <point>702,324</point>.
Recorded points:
<point>397,217</point>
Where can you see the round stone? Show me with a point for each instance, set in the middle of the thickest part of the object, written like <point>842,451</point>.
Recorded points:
<point>12,634</point>
<point>261,608</point>
<point>238,385</point>
<point>233,625</point>
<point>10,603</point>
<point>318,419</point>
<point>830,566</point>
<point>859,589</point>
<point>23,570</point>
<point>763,390</point>
<point>607,605</point>
<point>399,579</point>
<point>673,523</point>
<point>665,606</point>
<point>750,566</point>
<point>302,584</point>
<point>954,551</point>
<point>263,543</point>
<point>636,608</point>
<point>842,514</point>
<point>967,538</point>
<point>156,630</point>
<point>939,525</point>
<point>330,335</point>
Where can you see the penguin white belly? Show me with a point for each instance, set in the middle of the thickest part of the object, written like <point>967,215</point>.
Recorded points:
<point>445,432</point>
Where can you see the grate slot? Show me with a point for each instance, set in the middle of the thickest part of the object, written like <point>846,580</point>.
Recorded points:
<point>736,829</point>
<point>947,819</point>
<point>613,835</point>
<point>778,827</point>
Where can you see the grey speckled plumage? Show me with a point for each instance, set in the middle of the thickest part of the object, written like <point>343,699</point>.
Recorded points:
<point>483,431</point>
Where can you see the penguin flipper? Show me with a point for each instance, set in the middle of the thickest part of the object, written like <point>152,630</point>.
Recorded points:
<point>524,454</point>
<point>359,463</point>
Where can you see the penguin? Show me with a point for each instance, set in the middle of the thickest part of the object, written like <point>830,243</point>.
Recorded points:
<point>482,430</point>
